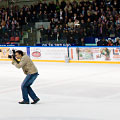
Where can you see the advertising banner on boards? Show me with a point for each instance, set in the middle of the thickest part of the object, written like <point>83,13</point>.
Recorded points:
<point>95,53</point>
<point>48,53</point>
<point>5,51</point>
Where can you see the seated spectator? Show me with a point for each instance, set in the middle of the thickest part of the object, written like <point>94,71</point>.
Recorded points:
<point>66,27</point>
<point>3,24</point>
<point>118,43</point>
<point>6,37</point>
<point>76,23</point>
<point>110,43</point>
<point>70,23</point>
<point>1,31</point>
<point>118,22</point>
<point>82,42</point>
<point>102,42</point>
<point>64,35</point>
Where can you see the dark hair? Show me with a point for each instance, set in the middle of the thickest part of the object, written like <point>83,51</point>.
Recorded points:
<point>19,52</point>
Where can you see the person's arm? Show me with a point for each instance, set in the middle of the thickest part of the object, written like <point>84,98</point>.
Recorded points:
<point>21,64</point>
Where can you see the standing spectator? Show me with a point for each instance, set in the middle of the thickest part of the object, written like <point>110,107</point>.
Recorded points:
<point>40,16</point>
<point>34,17</point>
<point>14,23</point>
<point>61,16</point>
<point>45,17</point>
<point>63,4</point>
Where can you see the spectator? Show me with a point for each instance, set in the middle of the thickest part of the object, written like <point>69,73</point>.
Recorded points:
<point>70,23</point>
<point>102,42</point>
<point>97,18</point>
<point>40,16</point>
<point>81,42</point>
<point>110,43</point>
<point>118,43</point>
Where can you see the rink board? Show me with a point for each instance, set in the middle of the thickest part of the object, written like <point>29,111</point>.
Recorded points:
<point>109,55</point>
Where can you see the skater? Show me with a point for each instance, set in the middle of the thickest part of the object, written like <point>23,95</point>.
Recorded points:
<point>31,71</point>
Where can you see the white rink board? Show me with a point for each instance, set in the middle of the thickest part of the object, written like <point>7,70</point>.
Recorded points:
<point>48,53</point>
<point>94,53</point>
<point>5,51</point>
<point>58,54</point>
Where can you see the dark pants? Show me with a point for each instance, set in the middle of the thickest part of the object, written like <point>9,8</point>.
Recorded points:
<point>26,87</point>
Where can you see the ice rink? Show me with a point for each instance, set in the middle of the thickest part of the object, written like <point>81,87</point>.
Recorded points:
<point>68,91</point>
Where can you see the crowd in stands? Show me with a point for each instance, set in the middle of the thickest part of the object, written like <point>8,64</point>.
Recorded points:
<point>69,21</point>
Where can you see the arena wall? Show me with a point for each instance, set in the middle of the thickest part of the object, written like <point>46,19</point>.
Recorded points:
<point>67,54</point>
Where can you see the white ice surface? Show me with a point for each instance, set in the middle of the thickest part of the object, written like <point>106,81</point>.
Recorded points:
<point>67,91</point>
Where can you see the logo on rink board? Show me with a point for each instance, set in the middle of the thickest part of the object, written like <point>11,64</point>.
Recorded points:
<point>4,52</point>
<point>36,54</point>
